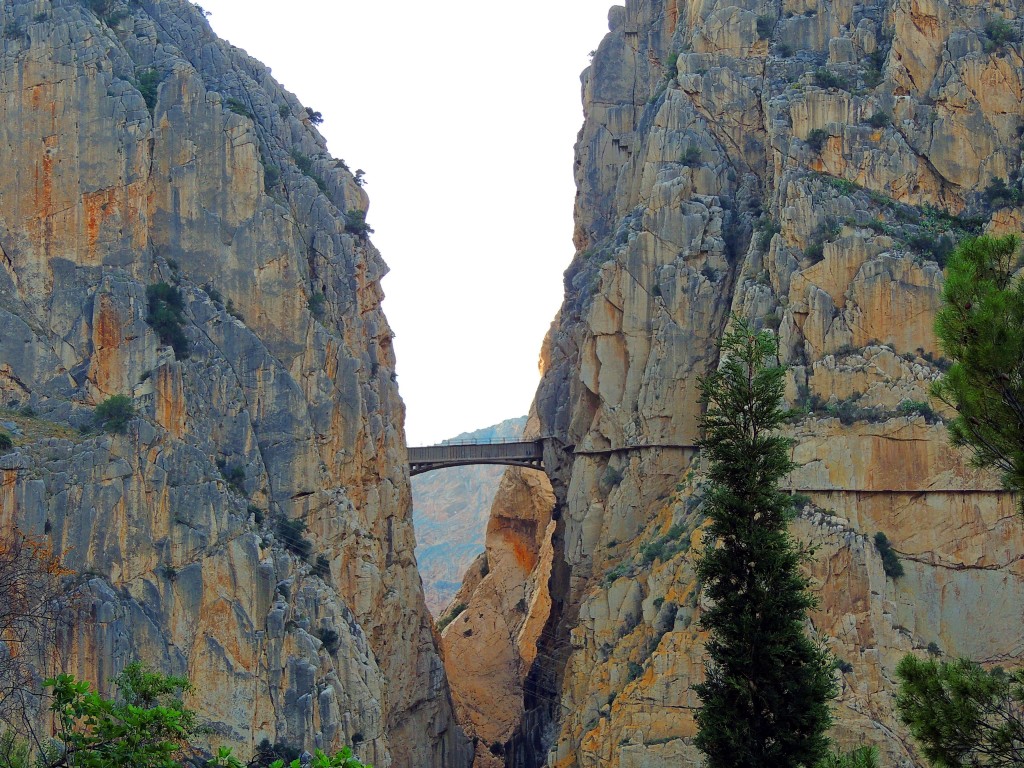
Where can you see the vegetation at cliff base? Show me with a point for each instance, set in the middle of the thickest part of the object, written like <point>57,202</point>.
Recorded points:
<point>981,327</point>
<point>765,699</point>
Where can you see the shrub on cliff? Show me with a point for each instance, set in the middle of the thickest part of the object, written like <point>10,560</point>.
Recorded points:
<point>114,413</point>
<point>167,317</point>
<point>765,698</point>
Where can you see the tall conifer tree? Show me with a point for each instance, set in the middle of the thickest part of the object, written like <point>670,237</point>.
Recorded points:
<point>765,699</point>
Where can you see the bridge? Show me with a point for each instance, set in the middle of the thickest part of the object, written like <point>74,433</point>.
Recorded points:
<point>516,453</point>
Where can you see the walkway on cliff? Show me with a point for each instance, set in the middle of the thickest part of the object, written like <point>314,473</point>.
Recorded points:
<point>517,453</point>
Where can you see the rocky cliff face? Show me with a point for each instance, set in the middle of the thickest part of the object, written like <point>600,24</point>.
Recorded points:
<point>805,165</point>
<point>139,149</point>
<point>450,511</point>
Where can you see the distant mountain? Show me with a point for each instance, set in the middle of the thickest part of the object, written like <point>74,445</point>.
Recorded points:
<point>450,511</point>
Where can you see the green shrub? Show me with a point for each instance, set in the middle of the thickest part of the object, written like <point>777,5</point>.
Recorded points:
<point>6,441</point>
<point>114,413</point>
<point>765,26</point>
<point>815,252</point>
<point>147,82</point>
<point>290,532</point>
<point>825,78</point>
<point>234,475</point>
<point>450,616</point>
<point>305,164</point>
<point>633,671</point>
<point>316,304</point>
<point>166,317</point>
<point>999,32</point>
<point>890,561</point>
<point>271,177</point>
<point>1001,195</point>
<point>314,117</point>
<point>284,110</point>
<point>330,639</point>
<point>880,119</point>
<point>355,222</point>
<point>691,156</point>
<point>816,139</point>
<point>215,295</point>
<point>915,407</point>
<point>766,230</point>
<point>784,50</point>
<point>238,106</point>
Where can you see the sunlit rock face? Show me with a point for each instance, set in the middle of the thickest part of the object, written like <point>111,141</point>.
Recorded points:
<point>138,148</point>
<point>719,172</point>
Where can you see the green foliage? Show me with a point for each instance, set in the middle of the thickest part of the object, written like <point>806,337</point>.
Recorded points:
<point>271,177</point>
<point>766,229</point>
<point>890,560</point>
<point>305,164</point>
<point>825,78</point>
<point>284,110</point>
<point>316,304</point>
<point>999,194</point>
<point>691,156</point>
<point>233,474</point>
<point>147,82</point>
<point>784,50</point>
<point>765,698</point>
<point>999,32</point>
<point>6,441</point>
<point>167,317</point>
<point>355,222</point>
<point>322,567</point>
<point>816,139</point>
<point>145,729</point>
<point>450,616</point>
<point>960,714</point>
<point>330,639</point>
<point>981,327</point>
<point>880,119</point>
<point>917,407</point>
<point>343,759</point>
<point>765,26</point>
<point>864,757</point>
<point>314,117</point>
<point>290,531</point>
<point>114,413</point>
<point>239,107</point>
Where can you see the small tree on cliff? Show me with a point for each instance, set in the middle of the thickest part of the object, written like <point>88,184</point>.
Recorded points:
<point>765,699</point>
<point>981,327</point>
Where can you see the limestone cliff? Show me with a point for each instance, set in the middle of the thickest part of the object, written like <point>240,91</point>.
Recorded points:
<point>806,165</point>
<point>139,149</point>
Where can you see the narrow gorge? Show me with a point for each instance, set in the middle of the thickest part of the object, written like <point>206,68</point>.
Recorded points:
<point>175,235</point>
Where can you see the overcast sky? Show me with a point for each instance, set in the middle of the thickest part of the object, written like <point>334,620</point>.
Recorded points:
<point>463,115</point>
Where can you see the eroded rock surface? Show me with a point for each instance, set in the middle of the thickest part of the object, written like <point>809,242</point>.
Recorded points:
<point>807,167</point>
<point>137,149</point>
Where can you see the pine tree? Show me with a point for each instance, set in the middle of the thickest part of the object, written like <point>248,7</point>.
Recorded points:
<point>765,699</point>
<point>981,326</point>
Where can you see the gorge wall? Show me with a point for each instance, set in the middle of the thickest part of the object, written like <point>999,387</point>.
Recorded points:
<point>139,149</point>
<point>806,165</point>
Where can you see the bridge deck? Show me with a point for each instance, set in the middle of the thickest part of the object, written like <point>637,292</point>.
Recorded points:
<point>521,453</point>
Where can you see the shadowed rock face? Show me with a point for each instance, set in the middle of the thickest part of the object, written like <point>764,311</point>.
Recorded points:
<point>717,173</point>
<point>138,148</point>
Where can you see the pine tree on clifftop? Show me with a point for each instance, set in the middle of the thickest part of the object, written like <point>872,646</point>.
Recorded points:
<point>765,699</point>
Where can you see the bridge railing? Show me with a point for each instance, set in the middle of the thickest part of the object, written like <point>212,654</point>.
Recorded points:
<point>465,450</point>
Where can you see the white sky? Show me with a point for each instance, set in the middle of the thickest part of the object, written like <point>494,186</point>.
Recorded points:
<point>463,114</point>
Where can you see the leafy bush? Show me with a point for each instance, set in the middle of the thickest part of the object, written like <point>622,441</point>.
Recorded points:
<point>6,441</point>
<point>915,407</point>
<point>890,561</point>
<point>314,117</point>
<point>316,304</point>
<point>238,106</point>
<point>825,78</point>
<point>271,177</point>
<point>234,475</point>
<point>305,164</point>
<point>330,639</point>
<point>784,50</point>
<point>691,156</point>
<point>114,413</point>
<point>355,222</point>
<point>1001,195</point>
<point>766,230</point>
<point>999,32</point>
<point>290,532</point>
<point>322,567</point>
<point>880,119</point>
<point>816,139</point>
<point>450,616</point>
<point>166,317</point>
<point>284,110</point>
<point>765,26</point>
<point>147,82</point>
